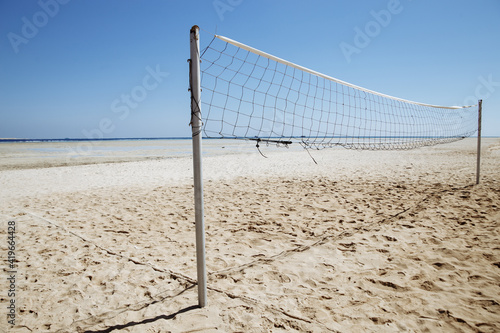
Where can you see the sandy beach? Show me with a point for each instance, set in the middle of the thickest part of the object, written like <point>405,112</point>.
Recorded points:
<point>362,241</point>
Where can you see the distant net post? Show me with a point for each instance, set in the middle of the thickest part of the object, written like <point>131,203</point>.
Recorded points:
<point>479,121</point>
<point>196,125</point>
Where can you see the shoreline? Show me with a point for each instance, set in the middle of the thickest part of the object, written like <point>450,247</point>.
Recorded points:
<point>35,155</point>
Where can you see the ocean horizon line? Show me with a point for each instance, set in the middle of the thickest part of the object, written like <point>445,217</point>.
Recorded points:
<point>86,139</point>
<point>13,140</point>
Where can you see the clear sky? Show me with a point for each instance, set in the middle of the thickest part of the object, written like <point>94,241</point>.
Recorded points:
<point>65,64</point>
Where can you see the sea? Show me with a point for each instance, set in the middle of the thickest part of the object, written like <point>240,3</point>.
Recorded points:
<point>33,153</point>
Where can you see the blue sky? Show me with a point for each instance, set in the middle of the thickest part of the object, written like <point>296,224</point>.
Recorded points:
<point>64,64</point>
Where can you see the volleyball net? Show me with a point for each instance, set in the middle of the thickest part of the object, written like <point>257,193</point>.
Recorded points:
<point>250,94</point>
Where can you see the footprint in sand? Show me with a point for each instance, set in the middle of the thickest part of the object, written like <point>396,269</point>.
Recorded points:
<point>387,284</point>
<point>429,286</point>
<point>489,305</point>
<point>277,276</point>
<point>217,264</point>
<point>441,265</point>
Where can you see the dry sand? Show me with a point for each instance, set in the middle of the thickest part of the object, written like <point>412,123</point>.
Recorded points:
<point>361,242</point>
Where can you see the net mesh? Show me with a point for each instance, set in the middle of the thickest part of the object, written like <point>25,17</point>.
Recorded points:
<point>246,95</point>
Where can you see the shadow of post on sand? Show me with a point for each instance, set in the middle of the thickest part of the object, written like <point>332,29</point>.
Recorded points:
<point>145,321</point>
